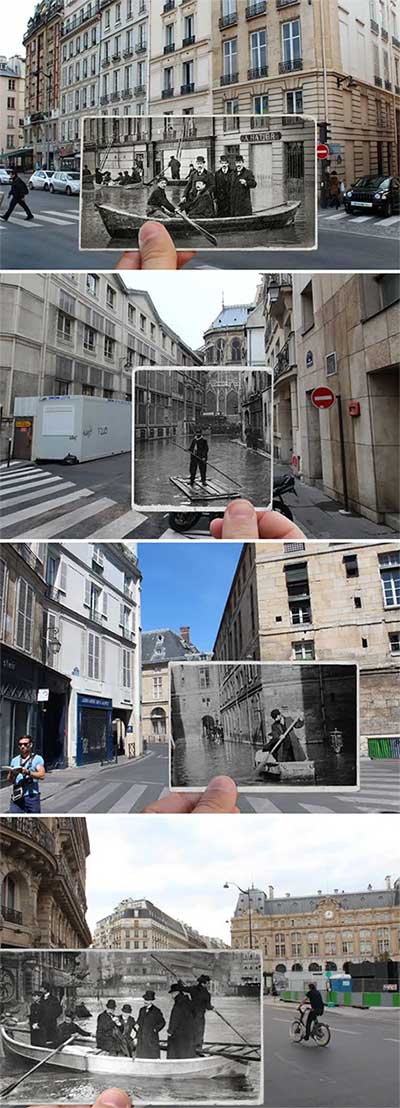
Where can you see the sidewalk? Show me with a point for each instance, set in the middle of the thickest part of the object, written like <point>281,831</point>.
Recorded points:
<point>58,779</point>
<point>319,516</point>
<point>351,1013</point>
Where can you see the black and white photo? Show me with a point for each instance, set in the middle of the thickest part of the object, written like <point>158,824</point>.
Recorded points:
<point>164,1025</point>
<point>271,726</point>
<point>220,182</point>
<point>202,437</point>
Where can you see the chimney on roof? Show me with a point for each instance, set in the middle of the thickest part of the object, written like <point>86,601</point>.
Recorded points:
<point>185,634</point>
<point>370,886</point>
<point>271,892</point>
<point>388,882</point>
<point>319,892</point>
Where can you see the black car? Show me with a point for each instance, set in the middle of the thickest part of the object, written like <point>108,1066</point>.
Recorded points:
<point>379,195</point>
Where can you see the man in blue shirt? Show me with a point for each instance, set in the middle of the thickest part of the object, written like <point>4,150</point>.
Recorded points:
<point>27,769</point>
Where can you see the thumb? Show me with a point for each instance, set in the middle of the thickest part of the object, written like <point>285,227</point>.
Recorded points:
<point>240,521</point>
<point>220,796</point>
<point>157,250</point>
<point>113,1098</point>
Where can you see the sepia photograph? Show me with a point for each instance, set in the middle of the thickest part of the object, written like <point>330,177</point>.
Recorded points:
<point>288,726</point>
<point>221,419</point>
<point>226,182</point>
<point>171,1025</point>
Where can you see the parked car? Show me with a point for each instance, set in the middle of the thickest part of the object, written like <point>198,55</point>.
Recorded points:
<point>5,177</point>
<point>40,179</point>
<point>65,181</point>
<point>380,195</point>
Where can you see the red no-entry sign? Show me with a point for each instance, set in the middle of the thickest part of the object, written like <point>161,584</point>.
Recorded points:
<point>322,151</point>
<point>322,397</point>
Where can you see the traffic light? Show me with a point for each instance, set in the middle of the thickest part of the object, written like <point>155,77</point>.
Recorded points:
<point>325,132</point>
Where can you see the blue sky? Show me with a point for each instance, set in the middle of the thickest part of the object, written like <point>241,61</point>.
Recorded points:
<point>186,585</point>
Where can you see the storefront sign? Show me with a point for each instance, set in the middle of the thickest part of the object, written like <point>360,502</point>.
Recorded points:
<point>392,988</point>
<point>262,136</point>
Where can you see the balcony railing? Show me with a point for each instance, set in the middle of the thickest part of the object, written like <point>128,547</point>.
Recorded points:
<point>167,92</point>
<point>30,829</point>
<point>258,71</point>
<point>286,357</point>
<point>187,89</point>
<point>140,90</point>
<point>52,592</point>
<point>384,34</point>
<point>231,122</point>
<point>397,90</point>
<point>169,6</point>
<point>285,3</point>
<point>169,48</point>
<point>228,20</point>
<point>116,57</point>
<point>28,555</point>
<point>291,66</point>
<point>378,81</point>
<point>374,26</point>
<point>189,40</point>
<point>256,9</point>
<point>105,63</point>
<point>10,914</point>
<point>388,86</point>
<point>128,53</point>
<point>396,41</point>
<point>141,47</point>
<point>104,99</point>
<point>229,78</point>
<point>115,96</point>
<point>127,93</point>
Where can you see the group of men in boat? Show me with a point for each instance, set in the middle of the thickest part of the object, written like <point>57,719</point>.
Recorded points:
<point>207,195</point>
<point>119,1033</point>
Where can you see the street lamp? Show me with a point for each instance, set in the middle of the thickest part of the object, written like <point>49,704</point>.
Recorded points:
<point>246,892</point>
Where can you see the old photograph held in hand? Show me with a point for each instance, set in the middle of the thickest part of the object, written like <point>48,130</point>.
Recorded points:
<point>205,414</point>
<point>289,726</point>
<point>170,1025</point>
<point>228,182</point>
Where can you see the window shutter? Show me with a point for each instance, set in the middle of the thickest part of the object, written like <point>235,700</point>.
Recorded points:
<point>83,667</point>
<point>105,604</point>
<point>90,655</point>
<point>121,615</point>
<point>87,594</point>
<point>29,618</point>
<point>63,577</point>
<point>2,591</point>
<point>41,552</point>
<point>101,656</point>
<point>19,628</point>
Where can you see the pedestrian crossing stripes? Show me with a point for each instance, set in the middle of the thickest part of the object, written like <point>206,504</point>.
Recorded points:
<point>36,504</point>
<point>343,221</point>
<point>41,217</point>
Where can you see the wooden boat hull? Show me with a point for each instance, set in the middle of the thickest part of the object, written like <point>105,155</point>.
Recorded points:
<point>286,771</point>
<point>84,1058</point>
<point>125,225</point>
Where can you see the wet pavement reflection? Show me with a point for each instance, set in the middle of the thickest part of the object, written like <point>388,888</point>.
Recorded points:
<point>247,473</point>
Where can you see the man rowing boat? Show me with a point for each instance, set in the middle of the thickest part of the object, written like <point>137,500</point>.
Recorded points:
<point>158,200</point>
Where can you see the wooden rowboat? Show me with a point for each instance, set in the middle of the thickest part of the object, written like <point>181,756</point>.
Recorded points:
<point>83,1057</point>
<point>122,224</point>
<point>285,771</point>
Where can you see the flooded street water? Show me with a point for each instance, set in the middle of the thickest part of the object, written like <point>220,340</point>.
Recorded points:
<point>58,1086</point>
<point>94,235</point>
<point>247,472</point>
<point>197,760</point>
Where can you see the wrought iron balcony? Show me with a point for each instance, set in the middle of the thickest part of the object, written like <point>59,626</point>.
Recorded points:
<point>10,914</point>
<point>115,96</point>
<point>167,92</point>
<point>258,71</point>
<point>291,66</point>
<point>169,48</point>
<point>128,53</point>
<point>169,6</point>
<point>256,9</point>
<point>141,47</point>
<point>189,40</point>
<point>104,99</point>
<point>140,90</point>
<point>374,26</point>
<point>116,57</point>
<point>32,829</point>
<point>286,358</point>
<point>378,81</point>
<point>388,86</point>
<point>229,78</point>
<point>286,3</point>
<point>127,93</point>
<point>187,89</point>
<point>384,34</point>
<point>106,62</point>
<point>228,20</point>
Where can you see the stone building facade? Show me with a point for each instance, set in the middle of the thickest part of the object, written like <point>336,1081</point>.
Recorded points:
<point>280,354</point>
<point>323,601</point>
<point>141,925</point>
<point>195,700</point>
<point>42,85</point>
<point>311,934</point>
<point>167,403</point>
<point>12,107</point>
<point>348,337</point>
<point>180,58</point>
<point>43,874</point>
<point>159,648</point>
<point>79,333</point>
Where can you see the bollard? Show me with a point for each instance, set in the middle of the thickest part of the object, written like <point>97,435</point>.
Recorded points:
<point>9,453</point>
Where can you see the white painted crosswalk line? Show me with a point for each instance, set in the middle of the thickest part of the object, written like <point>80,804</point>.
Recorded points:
<point>61,524</point>
<point>15,462</point>
<point>52,219</point>
<point>120,527</point>
<point>24,485</point>
<point>35,495</point>
<point>97,797</point>
<point>63,215</point>
<point>25,474</point>
<point>392,219</point>
<point>338,215</point>
<point>261,804</point>
<point>128,799</point>
<point>25,513</point>
<point>364,218</point>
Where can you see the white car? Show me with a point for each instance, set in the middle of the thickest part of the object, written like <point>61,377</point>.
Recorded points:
<point>40,179</point>
<point>65,181</point>
<point>5,177</point>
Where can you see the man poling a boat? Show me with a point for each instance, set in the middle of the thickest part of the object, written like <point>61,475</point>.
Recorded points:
<point>201,1000</point>
<point>150,1022</point>
<point>284,744</point>
<point>181,1027</point>
<point>198,451</point>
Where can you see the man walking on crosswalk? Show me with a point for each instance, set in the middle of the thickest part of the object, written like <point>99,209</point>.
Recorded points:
<point>17,193</point>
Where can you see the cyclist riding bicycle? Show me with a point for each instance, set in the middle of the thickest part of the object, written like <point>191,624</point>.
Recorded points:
<point>314,1001</point>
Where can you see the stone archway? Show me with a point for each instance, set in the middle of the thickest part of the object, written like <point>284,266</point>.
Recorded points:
<point>158,719</point>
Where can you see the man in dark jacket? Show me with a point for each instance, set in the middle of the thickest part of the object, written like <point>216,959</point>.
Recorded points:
<point>242,181</point>
<point>201,1000</point>
<point>201,173</point>
<point>200,204</point>
<point>290,750</point>
<point>314,999</point>
<point>158,199</point>
<point>149,1024</point>
<point>198,451</point>
<point>68,1027</point>
<point>128,1027</point>
<point>37,1031</point>
<point>109,1031</point>
<point>17,192</point>
<point>223,187</point>
<point>49,1011</point>
<point>175,166</point>
<point>181,1027</point>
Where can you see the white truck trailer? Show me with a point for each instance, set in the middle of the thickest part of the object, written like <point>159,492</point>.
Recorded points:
<point>77,428</point>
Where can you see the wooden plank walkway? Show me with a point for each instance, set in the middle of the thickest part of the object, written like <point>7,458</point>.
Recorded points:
<point>203,493</point>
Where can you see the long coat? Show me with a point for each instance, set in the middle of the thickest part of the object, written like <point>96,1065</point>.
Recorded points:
<point>37,1033</point>
<point>199,205</point>
<point>222,192</point>
<point>129,1025</point>
<point>291,749</point>
<point>181,1029</point>
<point>49,1011</point>
<point>201,1000</point>
<point>205,176</point>
<point>240,194</point>
<point>150,1022</point>
<point>109,1035</point>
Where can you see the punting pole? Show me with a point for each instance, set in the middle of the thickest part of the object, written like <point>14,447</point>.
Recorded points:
<point>228,477</point>
<point>10,1088</point>
<point>214,1009</point>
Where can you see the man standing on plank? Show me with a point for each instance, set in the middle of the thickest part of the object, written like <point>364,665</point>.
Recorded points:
<point>198,451</point>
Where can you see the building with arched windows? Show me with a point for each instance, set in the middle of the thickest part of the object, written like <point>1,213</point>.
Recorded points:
<point>225,345</point>
<point>158,649</point>
<point>43,874</point>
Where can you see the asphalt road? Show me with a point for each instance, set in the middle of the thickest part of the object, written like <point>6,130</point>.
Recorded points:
<point>51,242</point>
<point>359,1067</point>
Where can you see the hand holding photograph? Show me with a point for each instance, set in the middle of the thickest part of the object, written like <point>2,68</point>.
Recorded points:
<point>175,1026</point>
<point>268,726</point>
<point>230,182</point>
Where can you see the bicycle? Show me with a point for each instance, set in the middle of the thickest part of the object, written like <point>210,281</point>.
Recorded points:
<point>320,1032</point>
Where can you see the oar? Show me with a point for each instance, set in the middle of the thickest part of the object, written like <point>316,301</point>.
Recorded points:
<point>214,1009</point>
<point>229,478</point>
<point>284,736</point>
<point>200,230</point>
<point>10,1088</point>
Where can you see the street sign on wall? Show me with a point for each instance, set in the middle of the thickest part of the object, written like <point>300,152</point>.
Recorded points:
<point>322,397</point>
<point>322,151</point>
